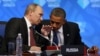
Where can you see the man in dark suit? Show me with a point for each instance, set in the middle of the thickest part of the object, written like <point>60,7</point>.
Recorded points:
<point>68,31</point>
<point>32,17</point>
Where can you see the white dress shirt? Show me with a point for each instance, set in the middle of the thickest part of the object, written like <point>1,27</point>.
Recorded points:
<point>59,35</point>
<point>28,28</point>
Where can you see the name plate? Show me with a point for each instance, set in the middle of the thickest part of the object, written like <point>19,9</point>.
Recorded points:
<point>73,50</point>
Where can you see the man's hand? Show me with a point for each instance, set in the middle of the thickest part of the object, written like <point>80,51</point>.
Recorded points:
<point>93,49</point>
<point>45,30</point>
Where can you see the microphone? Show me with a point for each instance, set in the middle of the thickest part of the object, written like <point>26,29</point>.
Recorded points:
<point>47,39</point>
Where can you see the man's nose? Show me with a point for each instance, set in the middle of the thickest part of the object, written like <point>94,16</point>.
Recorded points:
<point>54,24</point>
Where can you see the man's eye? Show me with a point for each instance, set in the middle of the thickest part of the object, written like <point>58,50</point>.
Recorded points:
<point>52,22</point>
<point>41,14</point>
<point>55,22</point>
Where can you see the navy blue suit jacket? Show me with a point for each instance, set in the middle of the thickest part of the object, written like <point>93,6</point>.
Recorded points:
<point>71,33</point>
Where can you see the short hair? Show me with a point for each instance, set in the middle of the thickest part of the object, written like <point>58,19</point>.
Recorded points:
<point>30,7</point>
<point>59,12</point>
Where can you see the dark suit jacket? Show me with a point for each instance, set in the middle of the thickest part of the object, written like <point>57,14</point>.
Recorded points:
<point>18,25</point>
<point>70,31</point>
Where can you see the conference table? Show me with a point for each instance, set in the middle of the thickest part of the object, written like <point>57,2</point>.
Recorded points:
<point>51,50</point>
<point>29,54</point>
<point>32,54</point>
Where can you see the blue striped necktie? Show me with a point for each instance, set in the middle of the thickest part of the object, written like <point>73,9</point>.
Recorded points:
<point>55,38</point>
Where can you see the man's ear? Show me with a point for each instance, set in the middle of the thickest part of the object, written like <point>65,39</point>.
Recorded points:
<point>31,12</point>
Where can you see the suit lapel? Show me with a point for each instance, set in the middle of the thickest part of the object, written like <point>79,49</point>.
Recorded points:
<point>66,32</point>
<point>24,30</point>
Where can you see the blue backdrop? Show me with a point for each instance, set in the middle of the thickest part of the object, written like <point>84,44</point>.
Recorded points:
<point>84,12</point>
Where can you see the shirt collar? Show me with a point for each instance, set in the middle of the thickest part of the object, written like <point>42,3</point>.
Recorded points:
<point>60,29</point>
<point>27,22</point>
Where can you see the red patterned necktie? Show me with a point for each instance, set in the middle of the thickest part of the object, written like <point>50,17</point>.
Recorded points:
<point>32,40</point>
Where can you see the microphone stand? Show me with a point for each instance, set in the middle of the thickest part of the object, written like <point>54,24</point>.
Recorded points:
<point>57,48</point>
<point>47,39</point>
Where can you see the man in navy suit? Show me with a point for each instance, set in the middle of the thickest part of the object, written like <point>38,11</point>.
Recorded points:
<point>68,32</point>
